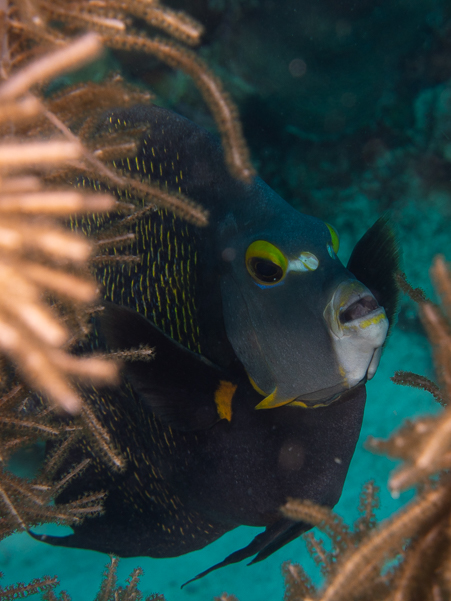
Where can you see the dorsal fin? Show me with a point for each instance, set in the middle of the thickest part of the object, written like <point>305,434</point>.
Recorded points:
<point>176,154</point>
<point>375,261</point>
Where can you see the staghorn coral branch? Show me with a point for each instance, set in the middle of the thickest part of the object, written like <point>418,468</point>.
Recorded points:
<point>23,109</point>
<point>54,459</point>
<point>51,65</point>
<point>219,102</point>
<point>91,369</point>
<point>437,443</point>
<point>56,243</point>
<point>322,517</point>
<point>439,333</point>
<point>11,509</point>
<point>352,575</point>
<point>109,580</point>
<point>19,590</point>
<point>425,445</point>
<point>442,280</point>
<point>176,23</point>
<point>416,294</point>
<point>36,367</point>
<point>102,439</point>
<point>419,564</point>
<point>43,429</point>
<point>321,557</point>
<point>61,484</point>
<point>144,353</point>
<point>4,46</point>
<point>298,586</point>
<point>58,202</point>
<point>60,281</point>
<point>98,22</point>
<point>178,203</point>
<point>38,153</point>
<point>407,378</point>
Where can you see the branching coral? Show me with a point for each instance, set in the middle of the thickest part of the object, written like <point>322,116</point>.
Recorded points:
<point>45,286</point>
<point>37,254</point>
<point>109,589</point>
<point>27,502</point>
<point>34,22</point>
<point>424,445</point>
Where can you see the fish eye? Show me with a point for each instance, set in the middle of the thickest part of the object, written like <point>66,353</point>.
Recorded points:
<point>335,240</point>
<point>265,271</point>
<point>265,262</point>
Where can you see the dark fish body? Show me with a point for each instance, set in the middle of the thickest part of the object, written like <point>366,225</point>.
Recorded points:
<point>252,311</point>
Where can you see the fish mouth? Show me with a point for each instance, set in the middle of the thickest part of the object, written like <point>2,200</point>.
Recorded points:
<point>358,328</point>
<point>358,308</point>
<point>351,312</point>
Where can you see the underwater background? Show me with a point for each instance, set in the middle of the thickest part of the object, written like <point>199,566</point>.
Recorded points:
<point>346,106</point>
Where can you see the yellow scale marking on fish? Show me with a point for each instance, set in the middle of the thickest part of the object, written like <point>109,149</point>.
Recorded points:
<point>166,275</point>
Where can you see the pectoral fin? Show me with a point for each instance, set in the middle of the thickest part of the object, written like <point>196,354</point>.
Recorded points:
<point>185,390</point>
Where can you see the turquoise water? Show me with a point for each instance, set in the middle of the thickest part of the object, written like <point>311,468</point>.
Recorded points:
<point>396,88</point>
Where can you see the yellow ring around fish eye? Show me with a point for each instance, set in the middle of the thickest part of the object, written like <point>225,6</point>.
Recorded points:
<point>334,237</point>
<point>265,262</point>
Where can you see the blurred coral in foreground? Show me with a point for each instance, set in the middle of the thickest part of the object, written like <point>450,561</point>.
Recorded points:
<point>37,24</point>
<point>45,289</point>
<point>38,255</point>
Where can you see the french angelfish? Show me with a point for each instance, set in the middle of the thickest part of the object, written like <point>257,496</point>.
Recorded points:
<point>263,344</point>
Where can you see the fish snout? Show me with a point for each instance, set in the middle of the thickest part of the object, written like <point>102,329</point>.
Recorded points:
<point>358,327</point>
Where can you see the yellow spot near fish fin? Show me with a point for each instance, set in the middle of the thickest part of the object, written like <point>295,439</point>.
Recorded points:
<point>272,401</point>
<point>223,399</point>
